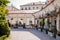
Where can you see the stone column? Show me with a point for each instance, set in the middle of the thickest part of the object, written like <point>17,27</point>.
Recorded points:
<point>50,19</point>
<point>58,28</point>
<point>46,26</point>
<point>35,21</point>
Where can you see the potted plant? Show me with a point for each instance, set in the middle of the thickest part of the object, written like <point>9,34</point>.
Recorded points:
<point>48,23</point>
<point>16,25</point>
<point>54,14</point>
<point>42,24</point>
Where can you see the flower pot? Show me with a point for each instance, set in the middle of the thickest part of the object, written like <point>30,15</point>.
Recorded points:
<point>46,31</point>
<point>41,29</point>
<point>54,35</point>
<point>57,37</point>
<point>16,27</point>
<point>50,34</point>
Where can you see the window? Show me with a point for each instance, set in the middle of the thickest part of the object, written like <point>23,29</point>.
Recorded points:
<point>33,3</point>
<point>29,8</point>
<point>33,7</point>
<point>42,8</point>
<point>25,8</point>
<point>37,7</point>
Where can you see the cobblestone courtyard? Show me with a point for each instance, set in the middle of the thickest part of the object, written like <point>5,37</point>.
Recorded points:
<point>28,34</point>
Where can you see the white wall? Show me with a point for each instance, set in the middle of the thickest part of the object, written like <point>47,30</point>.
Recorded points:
<point>58,23</point>
<point>31,7</point>
<point>17,17</point>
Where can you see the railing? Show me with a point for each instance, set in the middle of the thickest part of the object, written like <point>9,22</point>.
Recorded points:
<point>3,37</point>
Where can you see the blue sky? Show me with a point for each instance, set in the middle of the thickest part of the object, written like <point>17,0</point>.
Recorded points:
<point>17,3</point>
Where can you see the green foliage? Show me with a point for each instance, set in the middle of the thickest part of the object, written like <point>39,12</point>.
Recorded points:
<point>3,37</point>
<point>4,2</point>
<point>53,13</point>
<point>47,14</point>
<point>48,22</point>
<point>42,22</point>
<point>4,28</point>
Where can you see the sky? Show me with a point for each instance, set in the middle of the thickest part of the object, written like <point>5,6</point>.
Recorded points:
<point>17,3</point>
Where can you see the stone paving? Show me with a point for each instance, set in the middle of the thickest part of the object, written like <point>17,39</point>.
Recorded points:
<point>28,34</point>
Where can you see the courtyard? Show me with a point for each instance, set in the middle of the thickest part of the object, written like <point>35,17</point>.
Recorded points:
<point>33,20</point>
<point>28,34</point>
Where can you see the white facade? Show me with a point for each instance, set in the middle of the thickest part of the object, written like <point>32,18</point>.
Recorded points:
<point>32,6</point>
<point>23,18</point>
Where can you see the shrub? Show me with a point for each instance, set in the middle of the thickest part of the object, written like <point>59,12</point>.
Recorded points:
<point>3,37</point>
<point>4,28</point>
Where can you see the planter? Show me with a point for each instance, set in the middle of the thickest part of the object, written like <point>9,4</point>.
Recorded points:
<point>54,35</point>
<point>50,34</point>
<point>24,27</point>
<point>58,34</point>
<point>39,28</point>
<point>46,31</point>
<point>15,27</point>
<point>57,37</point>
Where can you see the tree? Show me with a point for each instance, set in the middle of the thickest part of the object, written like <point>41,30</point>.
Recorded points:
<point>4,28</point>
